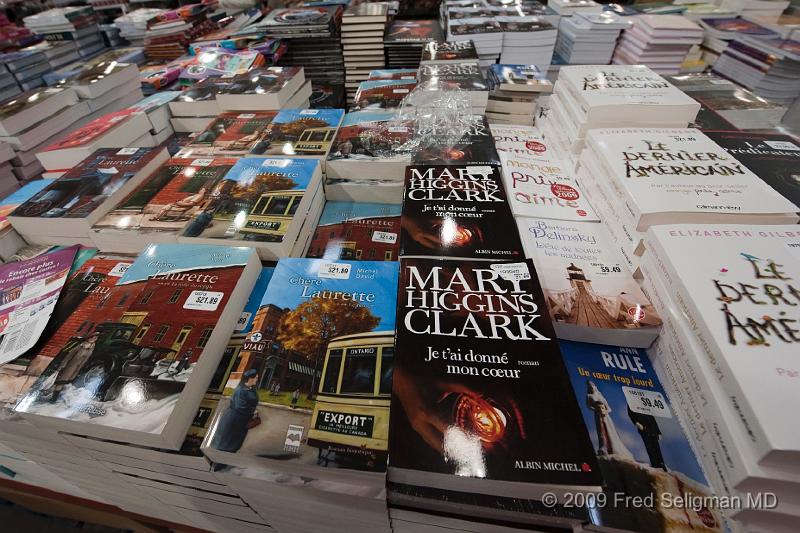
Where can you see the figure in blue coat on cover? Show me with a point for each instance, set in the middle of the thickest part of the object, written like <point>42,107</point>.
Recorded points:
<point>236,421</point>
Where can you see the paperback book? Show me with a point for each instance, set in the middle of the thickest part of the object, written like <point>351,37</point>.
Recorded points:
<point>465,142</point>
<point>323,332</point>
<point>496,414</point>
<point>438,52</point>
<point>457,211</point>
<point>139,373</point>
<point>233,133</point>
<point>355,230</point>
<point>591,294</point>
<point>301,132</point>
<point>382,94</point>
<point>642,450</point>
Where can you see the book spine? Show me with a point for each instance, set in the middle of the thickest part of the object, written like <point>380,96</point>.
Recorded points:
<point>717,362</point>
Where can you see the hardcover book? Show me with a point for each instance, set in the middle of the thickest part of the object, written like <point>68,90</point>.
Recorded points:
<point>360,231</point>
<point>591,294</point>
<point>86,192</point>
<point>256,201</point>
<point>436,52</point>
<point>232,132</point>
<point>162,205</point>
<point>637,436</point>
<point>741,300</point>
<point>321,343</point>
<point>468,142</point>
<point>492,413</point>
<point>680,175</point>
<point>457,211</point>
<point>139,376</point>
<point>772,157</point>
<point>301,132</point>
<point>539,189</point>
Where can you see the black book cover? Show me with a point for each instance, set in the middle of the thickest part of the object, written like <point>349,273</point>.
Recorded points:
<point>774,158</point>
<point>480,388</point>
<point>465,76</point>
<point>443,142</point>
<point>449,51</point>
<point>457,211</point>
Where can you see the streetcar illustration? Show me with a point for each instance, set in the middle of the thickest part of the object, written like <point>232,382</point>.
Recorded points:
<point>272,214</point>
<point>315,141</point>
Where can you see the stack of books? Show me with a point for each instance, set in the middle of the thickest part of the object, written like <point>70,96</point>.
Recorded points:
<point>363,26</point>
<point>441,52</point>
<point>78,23</point>
<point>108,86</point>
<point>347,230</point>
<point>573,7</point>
<point>405,39</point>
<point>314,36</point>
<point>485,33</point>
<point>375,95</point>
<point>58,53</point>
<point>26,68</point>
<point>213,61</point>
<point>514,90</point>
<point>316,320</point>
<point>769,9</point>
<point>8,180</point>
<point>720,31</point>
<point>589,38</point>
<point>706,351</point>
<point>156,108</point>
<point>659,41</point>
<point>527,40</point>
<point>368,158</point>
<point>768,67</point>
<point>133,26</point>
<point>713,187</point>
<point>465,77</point>
<point>13,36</point>
<point>8,84</point>
<point>586,97</point>
<point>169,33</point>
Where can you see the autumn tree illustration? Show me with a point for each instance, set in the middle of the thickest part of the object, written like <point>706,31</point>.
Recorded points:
<point>309,327</point>
<point>244,195</point>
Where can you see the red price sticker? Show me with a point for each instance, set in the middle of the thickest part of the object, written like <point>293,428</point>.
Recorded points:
<point>535,146</point>
<point>636,313</point>
<point>564,191</point>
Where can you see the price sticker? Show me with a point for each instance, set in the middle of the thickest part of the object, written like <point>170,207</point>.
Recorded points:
<point>127,151</point>
<point>512,271</point>
<point>783,145</point>
<point>246,115</point>
<point>400,91</point>
<point>309,111</point>
<point>244,318</point>
<point>408,77</point>
<point>203,300</point>
<point>481,170</point>
<point>386,237</point>
<point>646,402</point>
<point>398,129</point>
<point>119,269</point>
<point>334,270</point>
<point>202,162</point>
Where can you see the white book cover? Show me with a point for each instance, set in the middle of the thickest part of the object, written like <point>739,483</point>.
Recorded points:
<point>738,287</point>
<point>590,292</point>
<point>515,139</point>
<point>621,89</point>
<point>680,175</point>
<point>538,189</point>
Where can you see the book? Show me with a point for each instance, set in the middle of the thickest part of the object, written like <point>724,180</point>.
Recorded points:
<point>103,77</point>
<point>516,139</point>
<point>162,205</point>
<point>114,130</point>
<point>323,332</point>
<point>527,78</point>
<point>375,95</point>
<point>774,158</point>
<point>301,132</point>
<point>200,100</point>
<point>457,211</point>
<point>85,193</point>
<point>28,108</point>
<point>493,413</point>
<point>10,240</point>
<point>727,302</point>
<point>706,184</point>
<point>256,203</point>
<point>637,435</point>
<point>355,230</point>
<point>438,52</point>
<point>231,132</point>
<point>261,89</point>
<point>542,189</point>
<point>468,142</point>
<point>591,293</point>
<point>140,376</point>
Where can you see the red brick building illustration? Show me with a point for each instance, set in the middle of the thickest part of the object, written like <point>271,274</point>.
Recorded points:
<point>355,239</point>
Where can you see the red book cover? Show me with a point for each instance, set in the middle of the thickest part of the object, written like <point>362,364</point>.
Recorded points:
<point>93,130</point>
<point>382,94</point>
<point>233,132</point>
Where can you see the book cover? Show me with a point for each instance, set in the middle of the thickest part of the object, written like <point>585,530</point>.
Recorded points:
<point>436,51</point>
<point>88,184</point>
<point>681,170</point>
<point>232,132</point>
<point>360,231</point>
<point>772,157</point>
<point>289,18</point>
<point>393,74</point>
<point>204,91</point>
<point>641,448</point>
<point>466,142</point>
<point>519,78</point>
<point>92,131</point>
<point>168,198</point>
<point>540,189</point>
<point>315,368</point>
<point>465,76</point>
<point>304,132</point>
<point>527,141</point>
<point>369,136</point>
<point>150,331</point>
<point>413,31</point>
<point>261,81</point>
<point>381,94</point>
<point>587,283</point>
<point>17,198</point>
<point>27,100</point>
<point>480,391</point>
<point>457,211</point>
<point>256,200</point>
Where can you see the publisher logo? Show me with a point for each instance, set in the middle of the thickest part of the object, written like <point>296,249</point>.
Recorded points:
<point>564,192</point>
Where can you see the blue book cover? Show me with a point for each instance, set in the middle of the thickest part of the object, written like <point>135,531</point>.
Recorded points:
<point>361,117</point>
<point>316,371</point>
<point>255,201</point>
<point>19,197</point>
<point>155,100</point>
<point>302,132</point>
<point>640,444</point>
<point>354,230</point>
